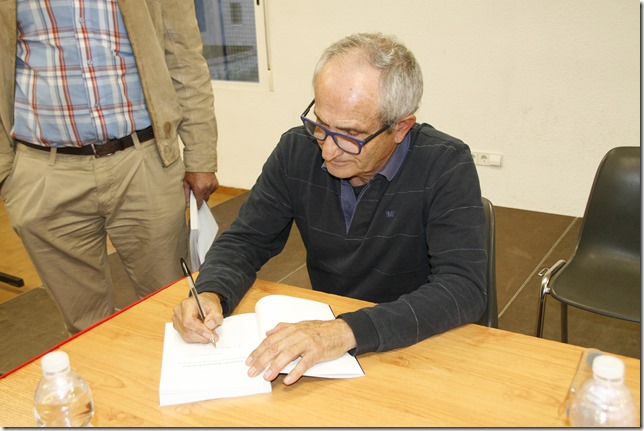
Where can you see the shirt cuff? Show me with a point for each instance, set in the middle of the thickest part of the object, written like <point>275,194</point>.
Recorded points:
<point>364,331</point>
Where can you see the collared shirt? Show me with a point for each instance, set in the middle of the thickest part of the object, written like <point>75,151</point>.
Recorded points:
<point>76,78</point>
<point>389,171</point>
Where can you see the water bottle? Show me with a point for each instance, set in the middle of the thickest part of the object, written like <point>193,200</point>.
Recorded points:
<point>604,400</point>
<point>63,398</point>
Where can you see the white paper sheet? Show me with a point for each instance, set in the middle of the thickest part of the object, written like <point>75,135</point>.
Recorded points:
<point>203,230</point>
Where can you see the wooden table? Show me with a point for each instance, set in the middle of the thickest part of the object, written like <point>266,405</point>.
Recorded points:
<point>469,376</point>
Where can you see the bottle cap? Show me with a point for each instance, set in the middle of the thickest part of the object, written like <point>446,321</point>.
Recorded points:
<point>55,362</point>
<point>608,367</point>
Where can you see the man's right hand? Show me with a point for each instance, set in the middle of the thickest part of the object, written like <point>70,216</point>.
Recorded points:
<point>186,319</point>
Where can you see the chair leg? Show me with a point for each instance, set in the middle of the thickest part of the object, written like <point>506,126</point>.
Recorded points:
<point>11,279</point>
<point>542,309</point>
<point>564,322</point>
<point>546,274</point>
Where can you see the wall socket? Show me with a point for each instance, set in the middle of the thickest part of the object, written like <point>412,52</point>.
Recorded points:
<point>487,159</point>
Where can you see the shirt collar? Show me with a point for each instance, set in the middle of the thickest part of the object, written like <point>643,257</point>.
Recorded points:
<point>391,168</point>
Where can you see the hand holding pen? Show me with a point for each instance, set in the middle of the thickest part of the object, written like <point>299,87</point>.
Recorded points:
<point>177,319</point>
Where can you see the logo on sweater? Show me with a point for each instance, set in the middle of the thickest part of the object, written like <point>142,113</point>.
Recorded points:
<point>390,213</point>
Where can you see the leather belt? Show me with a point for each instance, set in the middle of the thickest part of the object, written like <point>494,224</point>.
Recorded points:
<point>100,150</point>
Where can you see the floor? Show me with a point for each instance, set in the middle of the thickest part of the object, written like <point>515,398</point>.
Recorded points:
<point>526,242</point>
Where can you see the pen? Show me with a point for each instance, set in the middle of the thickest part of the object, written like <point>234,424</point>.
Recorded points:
<point>195,294</point>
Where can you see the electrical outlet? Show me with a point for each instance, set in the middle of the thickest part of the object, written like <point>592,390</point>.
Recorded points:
<point>487,159</point>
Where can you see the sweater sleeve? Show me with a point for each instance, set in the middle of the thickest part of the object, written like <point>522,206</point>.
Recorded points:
<point>259,232</point>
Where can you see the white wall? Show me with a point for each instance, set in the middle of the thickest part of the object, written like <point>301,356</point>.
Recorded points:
<point>550,84</point>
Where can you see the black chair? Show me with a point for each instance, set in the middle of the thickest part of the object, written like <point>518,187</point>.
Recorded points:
<point>490,315</point>
<point>11,279</point>
<point>603,274</point>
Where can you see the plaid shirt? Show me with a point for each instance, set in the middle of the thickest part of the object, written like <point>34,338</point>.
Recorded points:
<point>76,78</point>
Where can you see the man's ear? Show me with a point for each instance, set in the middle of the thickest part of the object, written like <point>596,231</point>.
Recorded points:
<point>402,127</point>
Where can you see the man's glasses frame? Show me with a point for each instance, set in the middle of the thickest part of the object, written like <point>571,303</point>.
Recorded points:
<point>358,142</point>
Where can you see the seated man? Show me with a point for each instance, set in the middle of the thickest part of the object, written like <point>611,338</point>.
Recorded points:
<point>389,211</point>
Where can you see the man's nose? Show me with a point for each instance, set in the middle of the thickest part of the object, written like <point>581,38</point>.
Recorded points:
<point>329,149</point>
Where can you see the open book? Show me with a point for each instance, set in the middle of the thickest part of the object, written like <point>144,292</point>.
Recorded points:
<point>194,372</point>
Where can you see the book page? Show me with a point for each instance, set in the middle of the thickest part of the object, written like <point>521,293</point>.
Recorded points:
<point>273,309</point>
<point>195,372</point>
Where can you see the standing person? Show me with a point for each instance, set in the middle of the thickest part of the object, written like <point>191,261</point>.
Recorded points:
<point>93,97</point>
<point>389,211</point>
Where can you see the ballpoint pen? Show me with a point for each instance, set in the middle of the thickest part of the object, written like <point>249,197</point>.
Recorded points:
<point>193,290</point>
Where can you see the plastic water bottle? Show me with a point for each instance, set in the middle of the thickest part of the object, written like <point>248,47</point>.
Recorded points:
<point>604,400</point>
<point>63,398</point>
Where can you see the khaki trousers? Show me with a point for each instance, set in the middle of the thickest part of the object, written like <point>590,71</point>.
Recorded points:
<point>63,207</point>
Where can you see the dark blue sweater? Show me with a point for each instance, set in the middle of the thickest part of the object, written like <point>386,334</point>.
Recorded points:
<point>415,244</point>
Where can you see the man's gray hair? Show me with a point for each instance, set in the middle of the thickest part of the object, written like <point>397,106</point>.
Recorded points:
<point>401,81</point>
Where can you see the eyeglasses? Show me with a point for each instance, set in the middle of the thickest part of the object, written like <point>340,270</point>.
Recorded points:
<point>346,143</point>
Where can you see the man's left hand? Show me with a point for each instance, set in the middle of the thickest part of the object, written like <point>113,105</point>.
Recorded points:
<point>314,341</point>
<point>202,185</point>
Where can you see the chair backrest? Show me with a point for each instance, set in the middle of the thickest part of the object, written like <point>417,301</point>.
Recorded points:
<point>490,316</point>
<point>611,224</point>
